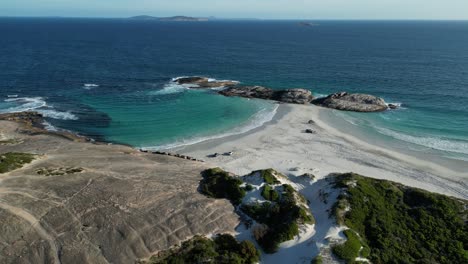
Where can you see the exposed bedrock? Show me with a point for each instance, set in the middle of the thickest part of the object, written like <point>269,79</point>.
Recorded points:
<point>86,203</point>
<point>203,82</point>
<point>340,101</point>
<point>352,102</point>
<point>293,96</point>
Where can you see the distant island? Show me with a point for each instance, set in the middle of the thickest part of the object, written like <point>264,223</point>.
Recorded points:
<point>308,24</point>
<point>174,18</point>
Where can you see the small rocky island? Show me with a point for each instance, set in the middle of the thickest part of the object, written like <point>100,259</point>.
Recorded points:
<point>340,101</point>
<point>174,18</point>
<point>352,102</point>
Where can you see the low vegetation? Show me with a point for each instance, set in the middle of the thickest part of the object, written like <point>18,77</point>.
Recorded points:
<point>268,176</point>
<point>11,161</point>
<point>280,218</point>
<point>222,249</point>
<point>269,193</point>
<point>58,171</point>
<point>317,260</point>
<point>217,183</point>
<point>10,142</point>
<point>398,224</point>
<point>351,249</point>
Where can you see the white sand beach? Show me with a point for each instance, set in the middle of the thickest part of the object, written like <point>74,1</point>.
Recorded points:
<point>282,144</point>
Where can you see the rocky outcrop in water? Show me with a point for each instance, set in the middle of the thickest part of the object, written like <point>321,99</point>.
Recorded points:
<point>352,102</point>
<point>340,101</point>
<point>248,92</point>
<point>293,96</point>
<point>203,82</point>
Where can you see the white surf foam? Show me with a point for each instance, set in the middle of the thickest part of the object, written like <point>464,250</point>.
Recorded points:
<point>25,104</point>
<point>173,87</point>
<point>89,86</point>
<point>48,126</point>
<point>261,117</point>
<point>39,105</point>
<point>436,143</point>
<point>57,114</point>
<point>398,105</point>
<point>170,88</point>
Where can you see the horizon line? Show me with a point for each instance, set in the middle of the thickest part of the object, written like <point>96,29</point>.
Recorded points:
<point>244,18</point>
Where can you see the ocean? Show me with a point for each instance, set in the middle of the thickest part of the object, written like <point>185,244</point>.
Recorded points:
<point>110,79</point>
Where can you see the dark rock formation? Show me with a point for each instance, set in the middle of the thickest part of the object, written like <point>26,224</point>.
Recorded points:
<point>293,96</point>
<point>392,106</point>
<point>352,102</point>
<point>203,82</point>
<point>31,119</point>
<point>249,92</point>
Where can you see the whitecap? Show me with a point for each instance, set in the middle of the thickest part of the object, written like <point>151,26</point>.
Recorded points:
<point>57,114</point>
<point>432,142</point>
<point>397,104</point>
<point>49,127</point>
<point>89,86</point>
<point>39,105</point>
<point>318,95</point>
<point>25,104</point>
<point>257,120</point>
<point>170,88</point>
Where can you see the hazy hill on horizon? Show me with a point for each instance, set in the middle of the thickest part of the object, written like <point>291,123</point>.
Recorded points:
<point>173,18</point>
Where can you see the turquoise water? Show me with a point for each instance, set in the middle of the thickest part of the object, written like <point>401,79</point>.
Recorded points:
<point>163,120</point>
<point>110,79</point>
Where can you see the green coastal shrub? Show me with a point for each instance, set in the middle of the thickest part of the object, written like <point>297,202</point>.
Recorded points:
<point>317,260</point>
<point>349,250</point>
<point>249,187</point>
<point>11,161</point>
<point>281,217</point>
<point>268,176</point>
<point>217,183</point>
<point>222,249</point>
<point>402,224</point>
<point>269,193</point>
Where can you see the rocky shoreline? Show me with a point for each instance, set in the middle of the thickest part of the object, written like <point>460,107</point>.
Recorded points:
<point>340,101</point>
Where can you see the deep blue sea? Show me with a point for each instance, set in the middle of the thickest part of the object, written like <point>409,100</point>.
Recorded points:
<point>110,79</point>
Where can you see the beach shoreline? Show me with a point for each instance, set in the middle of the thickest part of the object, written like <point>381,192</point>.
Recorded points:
<point>282,144</point>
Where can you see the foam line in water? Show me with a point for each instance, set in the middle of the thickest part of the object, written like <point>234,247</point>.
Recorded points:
<point>25,104</point>
<point>173,87</point>
<point>57,114</point>
<point>257,120</point>
<point>437,143</point>
<point>170,88</point>
<point>209,79</point>
<point>89,86</point>
<point>48,126</point>
<point>37,104</point>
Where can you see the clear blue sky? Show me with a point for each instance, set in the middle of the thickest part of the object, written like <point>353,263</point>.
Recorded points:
<point>280,9</point>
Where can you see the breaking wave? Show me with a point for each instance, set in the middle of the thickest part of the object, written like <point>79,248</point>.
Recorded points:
<point>449,145</point>
<point>37,104</point>
<point>173,87</point>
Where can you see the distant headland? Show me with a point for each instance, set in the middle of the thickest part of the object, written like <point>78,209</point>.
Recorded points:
<point>173,18</point>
